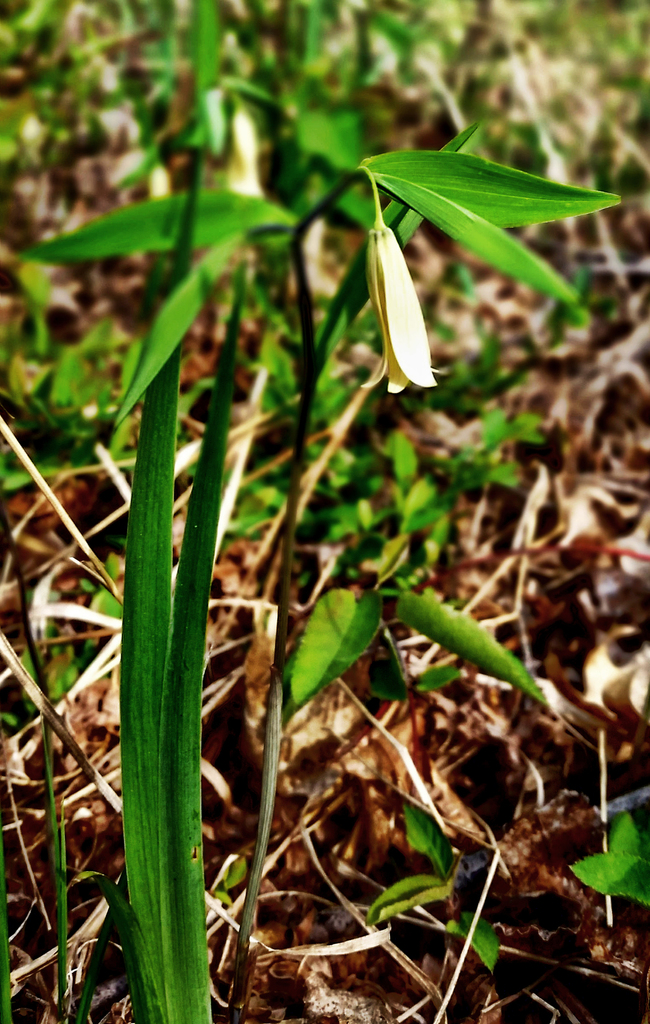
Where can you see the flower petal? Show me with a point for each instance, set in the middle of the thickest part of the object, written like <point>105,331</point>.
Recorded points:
<point>403,314</point>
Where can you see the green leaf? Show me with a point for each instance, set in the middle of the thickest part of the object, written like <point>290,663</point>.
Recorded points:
<point>437,677</point>
<point>461,635</point>
<point>404,458</point>
<point>174,319</point>
<point>484,939</point>
<point>501,195</point>
<point>147,613</point>
<point>337,633</point>
<point>425,835</point>
<point>353,293</point>
<point>153,226</point>
<point>333,135</point>
<point>205,44</point>
<point>182,908</point>
<point>617,874</point>
<point>624,836</point>
<point>387,677</point>
<point>147,1004</point>
<point>60,870</point>
<point>395,551</point>
<point>406,894</point>
<point>492,244</point>
<point>5,956</point>
<point>93,969</point>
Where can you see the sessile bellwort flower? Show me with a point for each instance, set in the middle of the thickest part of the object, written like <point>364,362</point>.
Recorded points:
<point>406,355</point>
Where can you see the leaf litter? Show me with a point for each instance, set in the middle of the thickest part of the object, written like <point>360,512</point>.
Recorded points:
<point>559,570</point>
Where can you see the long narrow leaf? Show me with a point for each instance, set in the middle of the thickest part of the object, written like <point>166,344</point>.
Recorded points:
<point>174,319</point>
<point>5,959</point>
<point>147,612</point>
<point>143,986</point>
<point>99,950</point>
<point>501,195</point>
<point>61,917</point>
<point>492,244</point>
<point>154,225</point>
<point>146,625</point>
<point>353,293</point>
<point>461,635</point>
<point>181,861</point>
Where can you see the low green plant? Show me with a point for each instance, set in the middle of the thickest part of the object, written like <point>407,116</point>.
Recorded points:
<point>162,927</point>
<point>625,869</point>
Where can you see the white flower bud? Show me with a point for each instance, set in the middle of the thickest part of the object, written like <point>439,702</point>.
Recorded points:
<point>242,165</point>
<point>406,354</point>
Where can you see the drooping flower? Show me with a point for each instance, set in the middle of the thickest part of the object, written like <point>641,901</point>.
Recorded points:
<point>406,356</point>
<point>242,170</point>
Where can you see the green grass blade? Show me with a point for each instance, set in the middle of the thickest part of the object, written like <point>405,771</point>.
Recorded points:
<point>501,195</point>
<point>147,613</point>
<point>154,225</point>
<point>61,917</point>
<point>92,972</point>
<point>181,861</point>
<point>147,622</point>
<point>143,985</point>
<point>176,316</point>
<point>5,959</point>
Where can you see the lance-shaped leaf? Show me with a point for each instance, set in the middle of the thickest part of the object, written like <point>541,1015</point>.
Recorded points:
<point>182,910</point>
<point>492,244</point>
<point>425,835</point>
<point>153,226</point>
<point>353,293</point>
<point>147,1004</point>
<point>461,635</point>
<point>501,195</point>
<point>174,319</point>
<point>406,894</point>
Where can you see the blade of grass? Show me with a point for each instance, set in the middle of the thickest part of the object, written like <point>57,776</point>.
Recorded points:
<point>143,981</point>
<point>146,627</point>
<point>61,917</point>
<point>181,861</point>
<point>5,959</point>
<point>92,972</point>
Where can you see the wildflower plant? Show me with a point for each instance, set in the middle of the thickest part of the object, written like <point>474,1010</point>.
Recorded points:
<point>469,198</point>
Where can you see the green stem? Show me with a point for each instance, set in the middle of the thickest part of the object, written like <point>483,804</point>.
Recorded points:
<point>273,730</point>
<point>379,216</point>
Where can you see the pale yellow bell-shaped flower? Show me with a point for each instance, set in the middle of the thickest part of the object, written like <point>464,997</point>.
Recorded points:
<point>242,170</point>
<point>406,355</point>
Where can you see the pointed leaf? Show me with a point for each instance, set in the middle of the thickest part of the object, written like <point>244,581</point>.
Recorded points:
<point>425,835</point>
<point>437,677</point>
<point>501,195</point>
<point>147,1005</point>
<point>484,939</point>
<point>616,874</point>
<point>463,636</point>
<point>406,894</point>
<point>353,293</point>
<point>153,226</point>
<point>491,243</point>
<point>174,319</point>
<point>338,632</point>
<point>624,836</point>
<point>182,909</point>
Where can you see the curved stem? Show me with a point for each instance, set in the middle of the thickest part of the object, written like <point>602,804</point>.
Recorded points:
<point>273,730</point>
